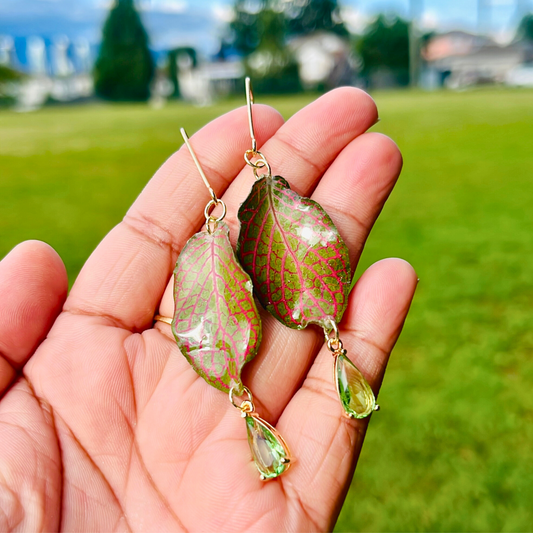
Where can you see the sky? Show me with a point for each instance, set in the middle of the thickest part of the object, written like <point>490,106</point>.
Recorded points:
<point>199,23</point>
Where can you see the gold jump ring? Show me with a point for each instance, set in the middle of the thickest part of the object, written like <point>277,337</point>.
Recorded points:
<point>247,404</point>
<point>210,206</point>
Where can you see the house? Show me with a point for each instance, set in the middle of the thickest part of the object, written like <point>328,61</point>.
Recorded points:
<point>459,59</point>
<point>204,83</point>
<point>324,59</point>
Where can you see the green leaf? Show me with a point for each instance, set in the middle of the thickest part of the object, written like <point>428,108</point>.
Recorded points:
<point>216,323</point>
<point>294,254</point>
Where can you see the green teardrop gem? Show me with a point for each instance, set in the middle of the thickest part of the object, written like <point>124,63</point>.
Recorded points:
<point>269,452</point>
<point>355,393</point>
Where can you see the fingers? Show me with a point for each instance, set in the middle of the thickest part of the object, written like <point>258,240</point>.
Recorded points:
<point>354,188</point>
<point>125,277</point>
<point>352,192</point>
<point>324,442</point>
<point>301,150</point>
<point>33,288</point>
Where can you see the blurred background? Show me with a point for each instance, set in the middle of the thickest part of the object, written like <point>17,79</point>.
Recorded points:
<point>92,94</point>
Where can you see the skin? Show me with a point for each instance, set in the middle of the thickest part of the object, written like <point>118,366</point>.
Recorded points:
<point>103,424</point>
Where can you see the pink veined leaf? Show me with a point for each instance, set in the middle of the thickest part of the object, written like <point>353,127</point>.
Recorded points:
<point>294,254</point>
<point>216,323</point>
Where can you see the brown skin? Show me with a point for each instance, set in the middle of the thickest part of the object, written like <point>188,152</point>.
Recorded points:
<point>108,428</point>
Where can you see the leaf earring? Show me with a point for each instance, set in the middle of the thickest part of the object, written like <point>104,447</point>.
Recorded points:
<point>217,326</point>
<point>299,266</point>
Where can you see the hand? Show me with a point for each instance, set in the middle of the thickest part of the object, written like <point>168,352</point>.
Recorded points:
<point>109,428</point>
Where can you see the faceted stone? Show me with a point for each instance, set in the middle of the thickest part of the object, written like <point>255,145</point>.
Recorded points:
<point>355,393</point>
<point>270,455</point>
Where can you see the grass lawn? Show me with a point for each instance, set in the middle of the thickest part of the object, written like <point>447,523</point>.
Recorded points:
<point>452,448</point>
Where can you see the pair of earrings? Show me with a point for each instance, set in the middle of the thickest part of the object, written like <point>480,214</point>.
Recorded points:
<point>292,254</point>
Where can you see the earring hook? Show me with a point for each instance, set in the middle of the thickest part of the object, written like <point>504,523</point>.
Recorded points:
<point>253,153</point>
<point>211,222</point>
<point>249,102</point>
<point>198,166</point>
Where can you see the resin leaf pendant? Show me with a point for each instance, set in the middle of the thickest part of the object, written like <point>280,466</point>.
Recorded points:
<point>294,254</point>
<point>216,323</point>
<point>269,451</point>
<point>355,394</point>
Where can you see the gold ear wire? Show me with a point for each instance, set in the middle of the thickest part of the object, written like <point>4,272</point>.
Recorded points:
<point>249,102</point>
<point>210,221</point>
<point>198,166</point>
<point>261,162</point>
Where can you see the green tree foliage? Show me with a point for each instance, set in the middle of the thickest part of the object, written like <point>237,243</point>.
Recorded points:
<point>315,15</point>
<point>124,68</point>
<point>258,32</point>
<point>246,28</point>
<point>9,78</point>
<point>525,28</point>
<point>271,65</point>
<point>8,75</point>
<point>385,47</point>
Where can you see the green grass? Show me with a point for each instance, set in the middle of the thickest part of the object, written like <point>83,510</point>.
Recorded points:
<point>452,448</point>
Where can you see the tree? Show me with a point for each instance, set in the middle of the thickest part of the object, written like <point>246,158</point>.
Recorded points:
<point>9,75</point>
<point>315,15</point>
<point>258,32</point>
<point>525,28</point>
<point>125,67</point>
<point>385,46</point>
<point>9,79</point>
<point>271,65</point>
<point>245,28</point>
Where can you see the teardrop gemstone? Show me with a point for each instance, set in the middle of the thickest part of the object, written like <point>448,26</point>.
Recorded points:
<point>355,393</point>
<point>269,451</point>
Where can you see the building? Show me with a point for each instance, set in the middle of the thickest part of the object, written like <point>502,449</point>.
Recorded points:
<point>459,59</point>
<point>324,59</point>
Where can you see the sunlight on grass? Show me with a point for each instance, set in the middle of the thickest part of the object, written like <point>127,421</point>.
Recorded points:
<point>451,449</point>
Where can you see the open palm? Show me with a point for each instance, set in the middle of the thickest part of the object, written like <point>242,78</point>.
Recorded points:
<point>108,428</point>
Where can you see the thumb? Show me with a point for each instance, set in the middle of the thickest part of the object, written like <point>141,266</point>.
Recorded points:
<point>33,288</point>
